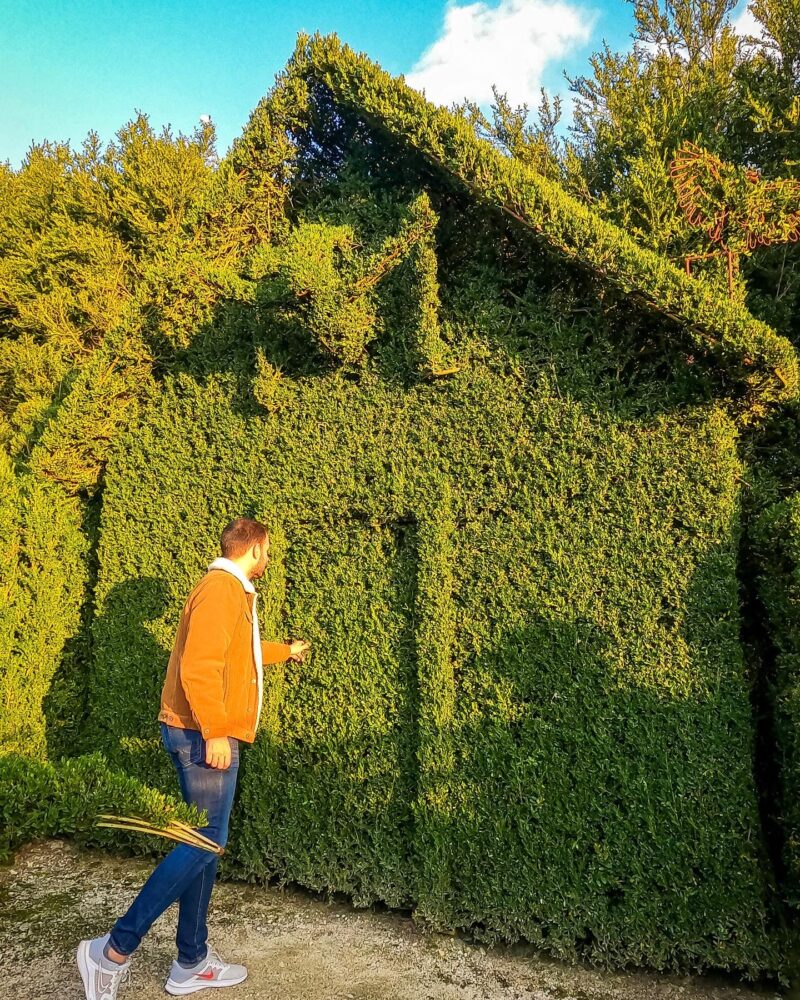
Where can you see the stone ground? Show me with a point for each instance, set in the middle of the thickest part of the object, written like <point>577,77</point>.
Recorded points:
<point>296,945</point>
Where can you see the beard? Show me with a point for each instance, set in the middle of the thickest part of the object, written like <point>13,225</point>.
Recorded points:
<point>258,570</point>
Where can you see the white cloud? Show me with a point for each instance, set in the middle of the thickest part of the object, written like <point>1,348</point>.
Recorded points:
<point>508,45</point>
<point>744,23</point>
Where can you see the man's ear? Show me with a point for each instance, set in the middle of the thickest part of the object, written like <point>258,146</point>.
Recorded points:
<point>255,552</point>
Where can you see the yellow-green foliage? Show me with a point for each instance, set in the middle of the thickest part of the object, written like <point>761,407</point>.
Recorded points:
<point>119,252</point>
<point>10,511</point>
<point>46,563</point>
<point>750,349</point>
<point>318,278</point>
<point>109,260</point>
<point>79,232</point>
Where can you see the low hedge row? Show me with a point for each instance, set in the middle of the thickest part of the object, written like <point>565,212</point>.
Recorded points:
<point>65,798</point>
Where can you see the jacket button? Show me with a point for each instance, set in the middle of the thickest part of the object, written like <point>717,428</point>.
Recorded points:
<point>253,681</point>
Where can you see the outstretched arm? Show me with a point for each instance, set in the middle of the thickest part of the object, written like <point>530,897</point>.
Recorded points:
<point>277,652</point>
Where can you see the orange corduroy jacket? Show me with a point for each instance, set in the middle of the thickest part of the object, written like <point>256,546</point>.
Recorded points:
<point>212,679</point>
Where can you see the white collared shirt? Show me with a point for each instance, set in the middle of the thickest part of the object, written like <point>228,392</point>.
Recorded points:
<point>231,567</point>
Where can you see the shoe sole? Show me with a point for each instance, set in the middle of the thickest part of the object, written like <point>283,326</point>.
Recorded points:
<point>176,990</point>
<point>83,967</point>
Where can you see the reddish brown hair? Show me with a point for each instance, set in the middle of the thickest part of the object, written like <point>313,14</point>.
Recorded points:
<point>240,535</point>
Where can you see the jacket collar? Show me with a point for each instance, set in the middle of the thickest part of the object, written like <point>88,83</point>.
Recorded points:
<point>230,567</point>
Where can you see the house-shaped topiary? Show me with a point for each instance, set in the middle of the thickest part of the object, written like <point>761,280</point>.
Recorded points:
<point>502,450</point>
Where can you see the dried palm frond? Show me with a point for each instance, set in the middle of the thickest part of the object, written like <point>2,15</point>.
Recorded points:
<point>174,829</point>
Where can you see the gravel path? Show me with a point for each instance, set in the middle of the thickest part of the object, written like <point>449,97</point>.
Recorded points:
<point>296,945</point>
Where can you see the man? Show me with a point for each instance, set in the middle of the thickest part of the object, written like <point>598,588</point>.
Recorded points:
<point>210,702</point>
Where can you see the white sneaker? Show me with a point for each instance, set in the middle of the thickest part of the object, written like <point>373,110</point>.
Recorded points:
<point>101,977</point>
<point>210,972</point>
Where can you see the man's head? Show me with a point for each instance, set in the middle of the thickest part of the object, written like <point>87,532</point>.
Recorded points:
<point>246,543</point>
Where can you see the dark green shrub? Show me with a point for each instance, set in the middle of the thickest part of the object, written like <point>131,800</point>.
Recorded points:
<point>776,543</point>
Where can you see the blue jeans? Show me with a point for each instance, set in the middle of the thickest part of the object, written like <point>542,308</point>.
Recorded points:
<point>186,873</point>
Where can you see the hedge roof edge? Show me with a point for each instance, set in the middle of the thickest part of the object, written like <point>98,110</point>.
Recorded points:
<point>744,346</point>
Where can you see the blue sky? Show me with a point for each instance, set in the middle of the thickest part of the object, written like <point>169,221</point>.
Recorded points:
<point>72,65</point>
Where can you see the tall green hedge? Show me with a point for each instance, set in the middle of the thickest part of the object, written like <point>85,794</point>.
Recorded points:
<point>776,542</point>
<point>508,520</point>
<point>45,574</point>
<point>526,710</point>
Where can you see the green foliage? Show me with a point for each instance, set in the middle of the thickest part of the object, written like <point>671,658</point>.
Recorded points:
<point>338,318</point>
<point>111,261</point>
<point>73,446</point>
<point>47,564</point>
<point>746,348</point>
<point>504,494</point>
<point>121,253</point>
<point>526,707</point>
<point>689,76</point>
<point>76,230</point>
<point>10,511</point>
<point>433,354</point>
<point>778,19</point>
<point>773,537</point>
<point>776,542</point>
<point>45,799</point>
<point>538,145</point>
<point>318,280</point>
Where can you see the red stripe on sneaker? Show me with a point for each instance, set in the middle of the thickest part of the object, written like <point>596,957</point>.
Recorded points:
<point>208,974</point>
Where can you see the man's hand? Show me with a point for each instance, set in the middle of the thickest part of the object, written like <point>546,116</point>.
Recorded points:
<point>218,752</point>
<point>299,650</point>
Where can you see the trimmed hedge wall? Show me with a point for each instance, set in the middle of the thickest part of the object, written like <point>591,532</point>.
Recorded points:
<point>776,543</point>
<point>526,710</point>
<point>43,585</point>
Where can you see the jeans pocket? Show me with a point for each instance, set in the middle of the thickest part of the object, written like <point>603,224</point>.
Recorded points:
<point>186,745</point>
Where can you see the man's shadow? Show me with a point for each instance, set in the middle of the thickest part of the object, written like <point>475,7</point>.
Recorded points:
<point>106,693</point>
